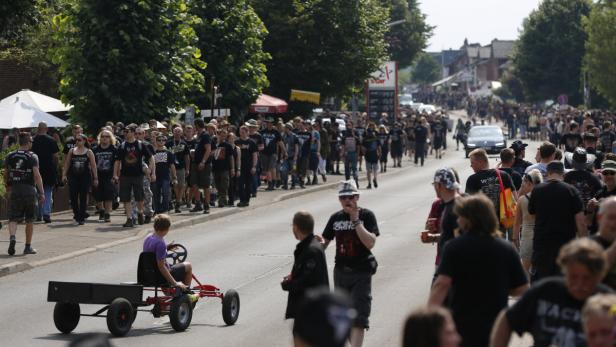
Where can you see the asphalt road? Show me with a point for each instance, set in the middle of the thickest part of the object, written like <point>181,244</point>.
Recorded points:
<point>250,252</point>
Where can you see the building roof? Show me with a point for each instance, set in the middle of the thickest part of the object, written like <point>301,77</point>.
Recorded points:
<point>485,52</point>
<point>502,49</point>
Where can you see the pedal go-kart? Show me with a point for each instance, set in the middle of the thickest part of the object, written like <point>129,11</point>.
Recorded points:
<point>122,301</point>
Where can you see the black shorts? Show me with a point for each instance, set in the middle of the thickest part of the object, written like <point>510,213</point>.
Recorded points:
<point>106,189</point>
<point>130,184</point>
<point>359,287</point>
<point>22,208</point>
<point>178,272</point>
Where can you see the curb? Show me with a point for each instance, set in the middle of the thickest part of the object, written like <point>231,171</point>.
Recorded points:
<point>16,267</point>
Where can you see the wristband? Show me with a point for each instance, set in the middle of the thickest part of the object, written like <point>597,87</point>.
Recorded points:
<point>357,222</point>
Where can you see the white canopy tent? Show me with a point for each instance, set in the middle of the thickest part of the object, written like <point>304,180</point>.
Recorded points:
<point>42,102</point>
<point>21,115</point>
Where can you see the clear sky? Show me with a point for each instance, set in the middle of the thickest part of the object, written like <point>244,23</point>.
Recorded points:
<point>478,20</point>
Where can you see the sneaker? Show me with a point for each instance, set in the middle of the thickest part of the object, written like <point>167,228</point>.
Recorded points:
<point>80,222</point>
<point>231,203</point>
<point>29,250</point>
<point>47,219</point>
<point>292,187</point>
<point>254,195</point>
<point>101,216</point>
<point>86,215</point>
<point>369,186</point>
<point>177,208</point>
<point>376,185</point>
<point>221,204</point>
<point>193,299</point>
<point>197,208</point>
<point>107,218</point>
<point>147,219</point>
<point>242,204</point>
<point>11,250</point>
<point>39,219</point>
<point>315,181</point>
<point>129,223</point>
<point>140,218</point>
<point>324,178</point>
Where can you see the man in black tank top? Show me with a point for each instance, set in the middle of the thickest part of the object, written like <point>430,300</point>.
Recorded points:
<point>22,178</point>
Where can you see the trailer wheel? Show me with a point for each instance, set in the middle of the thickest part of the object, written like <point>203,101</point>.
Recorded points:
<point>120,317</point>
<point>180,313</point>
<point>66,316</point>
<point>230,307</point>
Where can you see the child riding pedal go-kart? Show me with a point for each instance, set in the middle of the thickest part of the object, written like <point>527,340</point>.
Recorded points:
<point>174,294</point>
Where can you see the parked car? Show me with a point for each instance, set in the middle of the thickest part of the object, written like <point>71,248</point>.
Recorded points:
<point>488,137</point>
<point>405,100</point>
<point>429,109</point>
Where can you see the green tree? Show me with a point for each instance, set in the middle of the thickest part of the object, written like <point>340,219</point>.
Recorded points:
<point>15,17</point>
<point>407,39</point>
<point>325,46</point>
<point>231,36</point>
<point>549,52</point>
<point>426,69</point>
<point>600,26</point>
<point>127,60</point>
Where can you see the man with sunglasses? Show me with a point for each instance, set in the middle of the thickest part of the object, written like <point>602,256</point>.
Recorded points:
<point>128,171</point>
<point>355,230</point>
<point>608,176</point>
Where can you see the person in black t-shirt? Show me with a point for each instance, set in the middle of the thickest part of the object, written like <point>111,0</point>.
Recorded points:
<point>372,152</point>
<point>559,217</point>
<point>46,148</point>
<point>272,144</point>
<point>572,139</point>
<point>181,154</point>
<point>519,164</point>
<point>421,137</point>
<point>105,155</point>
<point>223,166</point>
<point>397,136</point>
<point>304,137</point>
<point>248,165</point>
<point>507,156</point>
<point>486,180</point>
<point>587,184</point>
<point>129,172</point>
<point>384,140</point>
<point>166,175</point>
<point>446,187</point>
<point>608,176</point>
<point>355,230</point>
<point>479,270</point>
<point>550,309</point>
<point>201,167</point>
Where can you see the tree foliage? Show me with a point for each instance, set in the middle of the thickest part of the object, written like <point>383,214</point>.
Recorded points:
<point>599,60</point>
<point>231,36</point>
<point>408,39</point>
<point>549,53</point>
<point>126,60</point>
<point>325,46</point>
<point>426,69</point>
<point>15,17</point>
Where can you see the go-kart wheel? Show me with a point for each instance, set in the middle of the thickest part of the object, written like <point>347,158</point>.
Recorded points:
<point>66,316</point>
<point>120,317</point>
<point>180,313</point>
<point>230,307</point>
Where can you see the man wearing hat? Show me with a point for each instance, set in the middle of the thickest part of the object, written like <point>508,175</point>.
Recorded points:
<point>519,164</point>
<point>447,188</point>
<point>355,230</point>
<point>595,157</point>
<point>559,218</point>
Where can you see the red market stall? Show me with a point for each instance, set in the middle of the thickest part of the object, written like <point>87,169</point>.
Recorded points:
<point>269,104</point>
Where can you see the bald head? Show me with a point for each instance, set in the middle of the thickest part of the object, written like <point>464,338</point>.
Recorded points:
<point>42,128</point>
<point>607,204</point>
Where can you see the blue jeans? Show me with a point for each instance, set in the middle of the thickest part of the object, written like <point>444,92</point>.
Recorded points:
<point>45,208</point>
<point>350,165</point>
<point>161,191</point>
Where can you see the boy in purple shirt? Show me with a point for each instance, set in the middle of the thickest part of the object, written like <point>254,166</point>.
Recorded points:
<point>155,243</point>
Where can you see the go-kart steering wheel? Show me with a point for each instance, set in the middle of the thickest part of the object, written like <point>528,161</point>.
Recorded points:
<point>177,253</point>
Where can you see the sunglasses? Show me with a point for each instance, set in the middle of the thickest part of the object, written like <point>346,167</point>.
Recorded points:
<point>608,173</point>
<point>347,197</point>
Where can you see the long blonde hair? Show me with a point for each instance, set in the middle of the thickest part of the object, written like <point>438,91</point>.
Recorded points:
<point>111,136</point>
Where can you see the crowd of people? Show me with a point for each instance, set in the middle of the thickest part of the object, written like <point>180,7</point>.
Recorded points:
<point>553,250</point>
<point>155,167</point>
